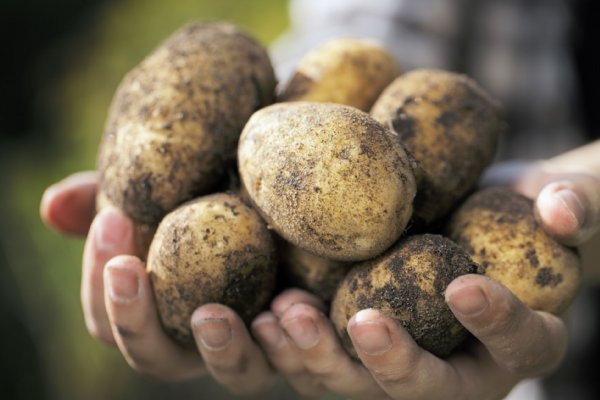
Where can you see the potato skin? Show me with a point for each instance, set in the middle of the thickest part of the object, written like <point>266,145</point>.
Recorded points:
<point>497,227</point>
<point>318,275</point>
<point>347,71</point>
<point>214,249</point>
<point>327,178</point>
<point>450,126</point>
<point>407,283</point>
<point>175,119</point>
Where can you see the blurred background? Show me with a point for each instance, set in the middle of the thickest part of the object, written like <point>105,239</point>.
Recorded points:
<point>61,63</point>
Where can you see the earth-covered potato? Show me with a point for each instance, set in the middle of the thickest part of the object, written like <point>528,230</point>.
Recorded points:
<point>327,178</point>
<point>175,119</point>
<point>318,275</point>
<point>407,283</point>
<point>348,71</point>
<point>498,228</point>
<point>451,127</point>
<point>214,249</point>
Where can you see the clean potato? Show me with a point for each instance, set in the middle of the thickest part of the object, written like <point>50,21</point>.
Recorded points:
<point>328,178</point>
<point>214,249</point>
<point>407,283</point>
<point>175,119</point>
<point>348,71</point>
<point>450,125</point>
<point>499,230</point>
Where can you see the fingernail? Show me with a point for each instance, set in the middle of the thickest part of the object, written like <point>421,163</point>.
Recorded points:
<point>469,301</point>
<point>214,333</point>
<point>268,332</point>
<point>303,331</point>
<point>369,335</point>
<point>112,230</point>
<point>572,204</point>
<point>123,285</point>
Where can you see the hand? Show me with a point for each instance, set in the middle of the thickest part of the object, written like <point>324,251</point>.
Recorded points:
<point>514,342</point>
<point>118,302</point>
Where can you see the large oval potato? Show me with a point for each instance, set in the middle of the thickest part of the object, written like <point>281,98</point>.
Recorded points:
<point>327,177</point>
<point>407,283</point>
<point>175,119</point>
<point>347,71</point>
<point>450,125</point>
<point>214,249</point>
<point>499,230</point>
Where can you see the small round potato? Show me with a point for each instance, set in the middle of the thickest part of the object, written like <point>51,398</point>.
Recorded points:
<point>343,70</point>
<point>318,275</point>
<point>328,178</point>
<point>450,126</point>
<point>407,283</point>
<point>498,229</point>
<point>214,249</point>
<point>175,120</point>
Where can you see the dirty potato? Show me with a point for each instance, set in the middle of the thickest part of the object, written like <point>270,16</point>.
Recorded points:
<point>348,71</point>
<point>499,230</point>
<point>214,249</point>
<point>318,275</point>
<point>451,127</point>
<point>328,178</point>
<point>407,283</point>
<point>175,119</point>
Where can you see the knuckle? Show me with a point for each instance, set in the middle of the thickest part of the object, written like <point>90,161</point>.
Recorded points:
<point>397,376</point>
<point>225,366</point>
<point>402,371</point>
<point>324,369</point>
<point>100,333</point>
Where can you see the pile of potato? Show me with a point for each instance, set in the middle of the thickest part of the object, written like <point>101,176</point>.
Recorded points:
<point>344,187</point>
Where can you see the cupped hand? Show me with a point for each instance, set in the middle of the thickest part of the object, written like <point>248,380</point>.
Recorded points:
<point>513,342</point>
<point>118,303</point>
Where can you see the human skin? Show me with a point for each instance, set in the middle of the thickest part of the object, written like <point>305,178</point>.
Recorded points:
<point>297,340</point>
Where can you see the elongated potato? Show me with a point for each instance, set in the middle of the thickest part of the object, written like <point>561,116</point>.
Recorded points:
<point>451,127</point>
<point>175,120</point>
<point>214,249</point>
<point>328,178</point>
<point>499,230</point>
<point>343,70</point>
<point>407,283</point>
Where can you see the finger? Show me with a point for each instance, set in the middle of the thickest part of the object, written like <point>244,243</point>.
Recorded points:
<point>397,363</point>
<point>569,209</point>
<point>230,354</point>
<point>292,296</point>
<point>283,355</point>
<point>323,356</point>
<point>111,234</point>
<point>136,326</point>
<point>69,205</point>
<point>525,342</point>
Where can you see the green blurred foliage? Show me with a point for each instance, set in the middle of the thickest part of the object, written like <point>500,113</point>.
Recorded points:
<point>44,265</point>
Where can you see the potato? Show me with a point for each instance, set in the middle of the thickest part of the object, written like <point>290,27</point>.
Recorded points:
<point>498,229</point>
<point>343,70</point>
<point>175,120</point>
<point>214,249</point>
<point>407,283</point>
<point>327,178</point>
<point>304,270</point>
<point>450,126</point>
